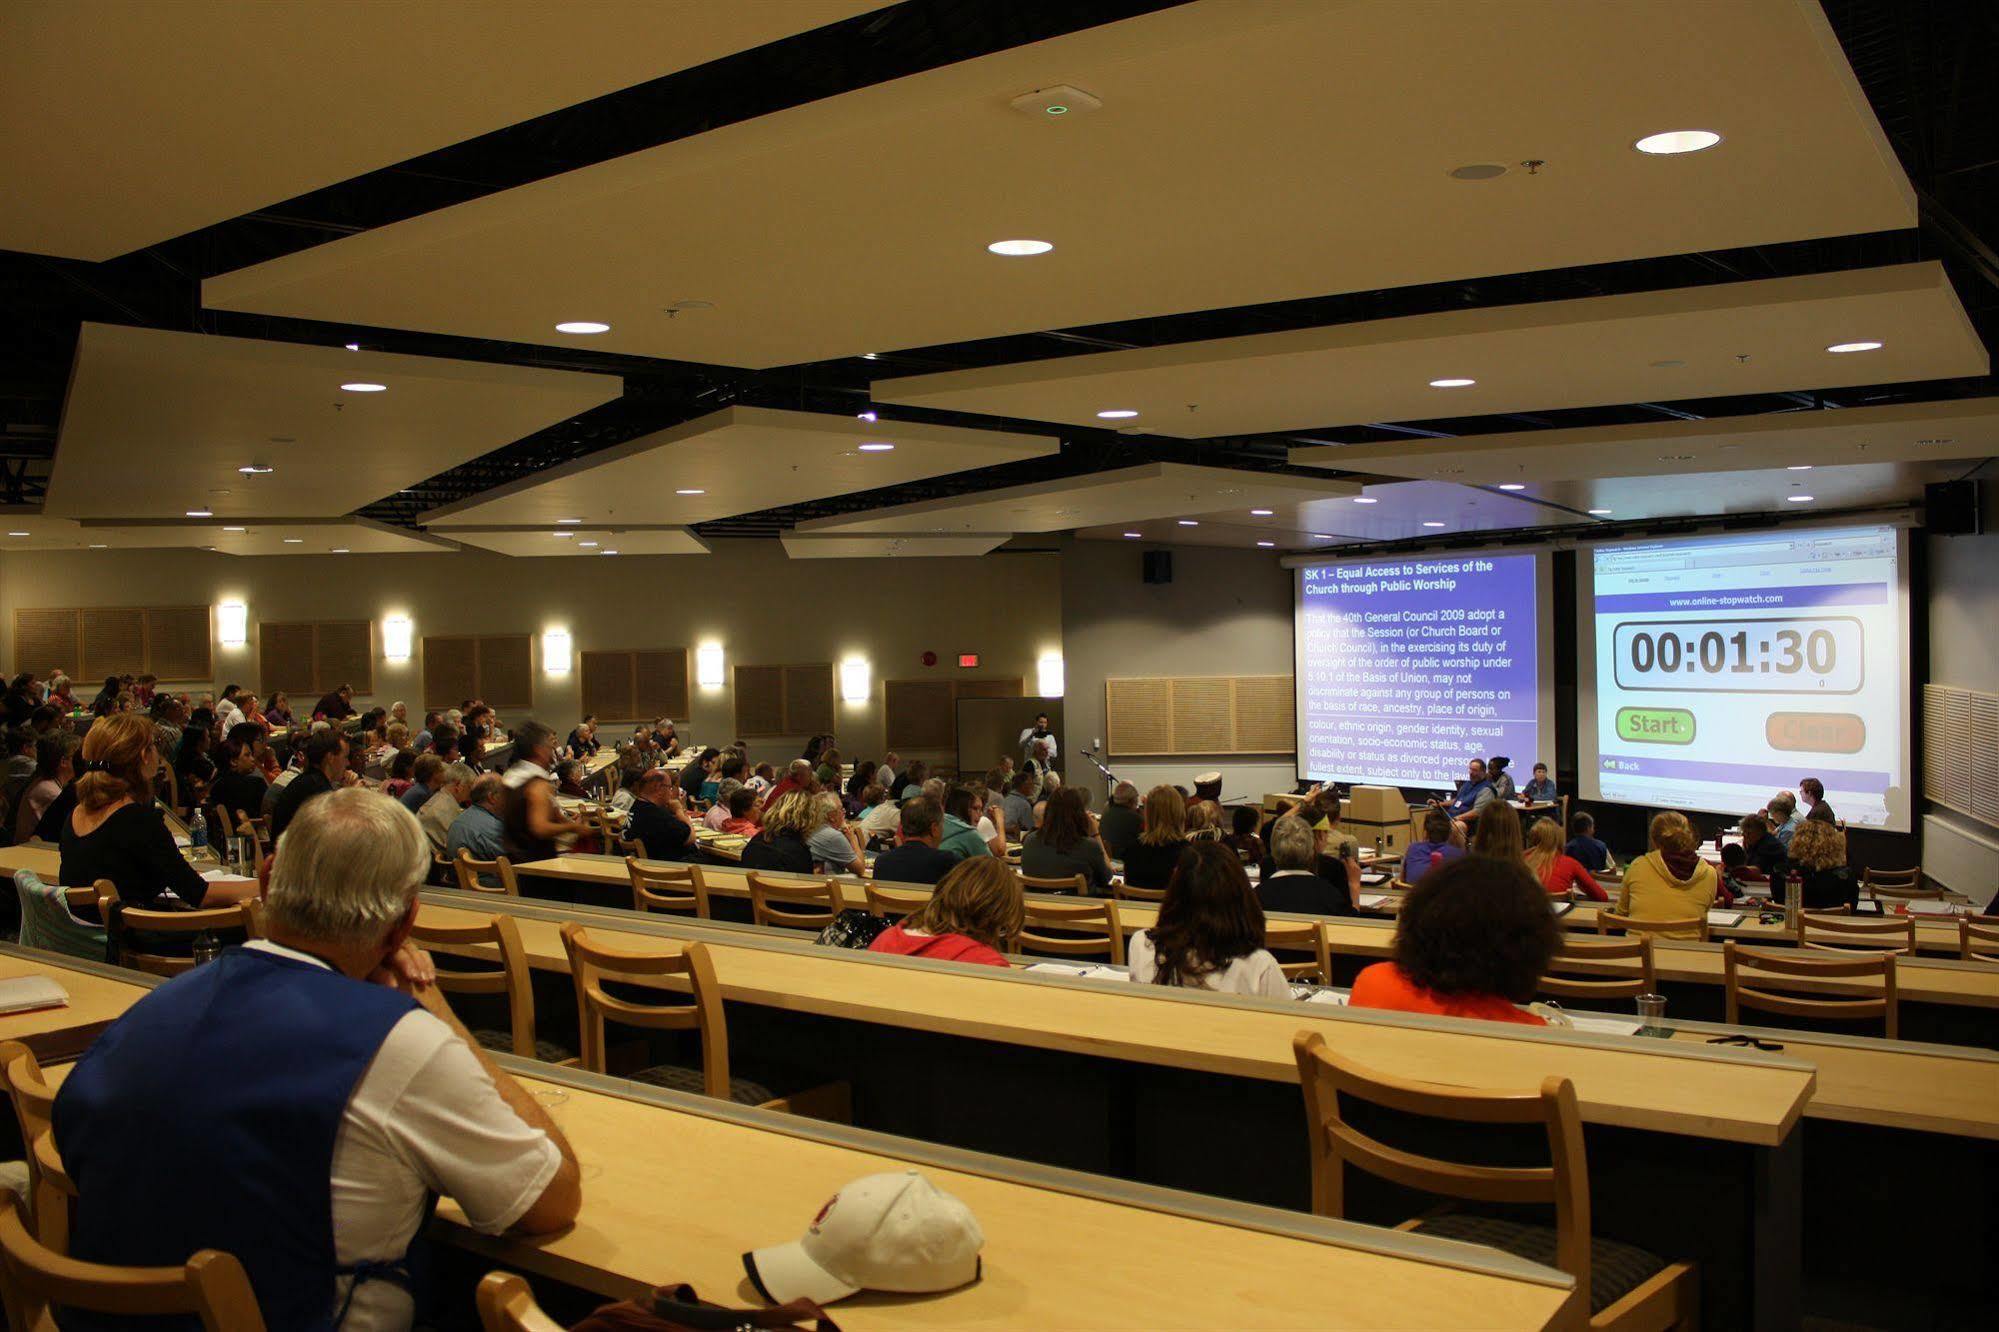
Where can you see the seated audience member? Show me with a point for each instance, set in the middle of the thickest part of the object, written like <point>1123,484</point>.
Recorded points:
<point>1784,817</point>
<point>1585,849</point>
<point>1018,806</point>
<point>1541,790</point>
<point>582,741</point>
<point>421,741</point>
<point>445,803</point>
<point>21,699</point>
<point>1039,755</point>
<point>916,857</point>
<point>780,844</point>
<point>193,768</point>
<point>1502,781</point>
<point>402,774</point>
<point>880,816</point>
<point>797,777</point>
<point>1064,845</point>
<point>1150,860</point>
<point>53,760</point>
<point>913,779</point>
<point>60,695</point>
<point>337,705</point>
<point>1120,824</point>
<point>964,807</point>
<point>1204,821</point>
<point>117,833</point>
<point>975,911</point>
<point>445,743</point>
<point>1764,855</point>
<point>479,828</point>
<point>227,707</point>
<point>278,709</point>
<point>1499,836</point>
<point>741,805</point>
<point>1559,872</point>
<point>718,809</point>
<point>762,779</point>
<point>657,818</point>
<point>326,769</point>
<point>1436,848</point>
<point>1293,881</point>
<point>827,774</point>
<point>1671,881</point>
<point>426,776</point>
<point>835,847</point>
<point>855,787</point>
<point>345,1077</point>
<point>534,820</point>
<point>1818,857</point>
<point>1472,796</point>
<point>240,787</point>
<point>1210,930</point>
<point>46,721</point>
<point>1814,790</point>
<point>21,758</point>
<point>1737,879</point>
<point>107,698</point>
<point>569,780</point>
<point>887,773</point>
<point>1471,941</point>
<point>1241,838</point>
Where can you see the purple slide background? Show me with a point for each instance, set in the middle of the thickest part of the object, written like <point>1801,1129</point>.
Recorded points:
<point>1434,754</point>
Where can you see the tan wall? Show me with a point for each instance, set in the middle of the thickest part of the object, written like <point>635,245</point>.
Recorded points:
<point>761,607</point>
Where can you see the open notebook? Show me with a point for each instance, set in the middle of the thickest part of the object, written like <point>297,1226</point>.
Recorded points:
<point>23,994</point>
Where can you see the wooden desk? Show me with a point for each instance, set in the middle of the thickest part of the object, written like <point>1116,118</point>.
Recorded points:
<point>96,998</point>
<point>696,1184</point>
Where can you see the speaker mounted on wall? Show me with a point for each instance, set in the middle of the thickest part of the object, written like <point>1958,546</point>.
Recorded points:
<point>1954,508</point>
<point>1158,566</point>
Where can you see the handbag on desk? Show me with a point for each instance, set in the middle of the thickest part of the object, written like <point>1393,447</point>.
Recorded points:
<point>679,1309</point>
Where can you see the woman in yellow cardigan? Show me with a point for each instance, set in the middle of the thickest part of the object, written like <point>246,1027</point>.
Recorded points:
<point>1671,881</point>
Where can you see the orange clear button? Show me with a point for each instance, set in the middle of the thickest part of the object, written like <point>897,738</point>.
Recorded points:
<point>1815,732</point>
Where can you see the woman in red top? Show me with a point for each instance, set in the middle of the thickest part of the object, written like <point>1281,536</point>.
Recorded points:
<point>1472,941</point>
<point>975,909</point>
<point>1559,872</point>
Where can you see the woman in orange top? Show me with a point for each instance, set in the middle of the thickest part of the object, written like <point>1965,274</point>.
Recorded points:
<point>1559,872</point>
<point>1472,941</point>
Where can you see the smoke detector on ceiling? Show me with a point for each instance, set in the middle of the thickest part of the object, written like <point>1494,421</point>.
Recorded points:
<point>1057,103</point>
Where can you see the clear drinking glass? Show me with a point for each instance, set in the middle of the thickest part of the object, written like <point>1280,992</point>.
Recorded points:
<point>1651,1011</point>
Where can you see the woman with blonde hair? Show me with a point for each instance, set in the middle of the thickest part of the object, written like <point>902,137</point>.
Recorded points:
<point>1559,872</point>
<point>1204,821</point>
<point>116,832</point>
<point>974,911</point>
<point>1818,857</point>
<point>787,825</point>
<point>1149,862</point>
<point>1671,881</point>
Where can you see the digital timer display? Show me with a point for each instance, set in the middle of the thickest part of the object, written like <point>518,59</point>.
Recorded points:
<point>1809,655</point>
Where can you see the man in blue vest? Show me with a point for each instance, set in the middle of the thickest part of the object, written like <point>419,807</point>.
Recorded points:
<point>297,1101</point>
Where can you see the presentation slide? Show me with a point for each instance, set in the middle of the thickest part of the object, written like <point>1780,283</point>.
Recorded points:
<point>1729,668</point>
<point>1406,668</point>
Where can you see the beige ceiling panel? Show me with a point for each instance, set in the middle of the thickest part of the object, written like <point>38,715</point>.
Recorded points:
<point>1961,428</point>
<point>1695,494</point>
<point>124,123</point>
<point>739,460</point>
<point>1244,153</point>
<point>1150,490</point>
<point>159,423</point>
<point>804,546</point>
<point>1695,342</point>
<point>288,536</point>
<point>544,542</point>
<point>1394,512</point>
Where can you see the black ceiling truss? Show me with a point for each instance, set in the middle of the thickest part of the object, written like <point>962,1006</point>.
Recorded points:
<point>1924,64</point>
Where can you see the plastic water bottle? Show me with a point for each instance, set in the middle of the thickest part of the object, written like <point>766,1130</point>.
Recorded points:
<point>205,948</point>
<point>197,830</point>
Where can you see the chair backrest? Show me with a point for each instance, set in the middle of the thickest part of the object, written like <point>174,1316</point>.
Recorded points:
<point>179,923</point>
<point>1843,933</point>
<point>253,916</point>
<point>625,846</point>
<point>223,824</point>
<point>257,829</point>
<point>1601,968</point>
<point>49,1190</point>
<point>506,1304</point>
<point>511,977</point>
<point>1131,894</point>
<point>1608,922</point>
<point>662,887</point>
<point>1286,938</point>
<point>211,1285</point>
<point>1978,938</point>
<point>1784,982</point>
<point>795,904</point>
<point>1074,886</point>
<point>1089,929</point>
<point>468,871</point>
<point>1902,884</point>
<point>592,962</point>
<point>1335,1144</point>
<point>895,903</point>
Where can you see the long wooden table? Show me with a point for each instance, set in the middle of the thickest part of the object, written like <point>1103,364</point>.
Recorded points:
<point>96,999</point>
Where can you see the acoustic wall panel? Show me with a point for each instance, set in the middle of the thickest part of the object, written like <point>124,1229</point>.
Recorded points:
<point>1188,715</point>
<point>45,640</point>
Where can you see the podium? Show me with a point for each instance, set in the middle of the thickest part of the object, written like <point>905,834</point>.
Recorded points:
<point>1378,815</point>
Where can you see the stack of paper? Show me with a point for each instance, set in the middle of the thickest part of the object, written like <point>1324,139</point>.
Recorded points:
<point>24,994</point>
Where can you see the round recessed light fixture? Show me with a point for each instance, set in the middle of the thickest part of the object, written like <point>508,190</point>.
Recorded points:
<point>876,446</point>
<point>690,491</point>
<point>1266,543</point>
<point>1055,109</point>
<point>1671,142</point>
<point>1117,414</point>
<point>1365,499</point>
<point>294,541</point>
<point>1433,524</point>
<point>201,513</point>
<point>569,522</point>
<point>1134,535</point>
<point>1260,513</point>
<point>582,327</point>
<point>1512,485</point>
<point>869,417</point>
<point>1189,522</point>
<point>1476,171</point>
<point>353,346</point>
<point>363,386</point>
<point>1601,513</point>
<point>1842,348</point>
<point>1452,383</point>
<point>1020,248</point>
<point>1799,467</point>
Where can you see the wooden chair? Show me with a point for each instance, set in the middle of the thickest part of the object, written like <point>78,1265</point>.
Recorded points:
<point>1619,1286</point>
<point>1601,968</point>
<point>258,830</point>
<point>1283,937</point>
<point>674,888</point>
<point>212,1285</point>
<point>510,978</point>
<point>253,917</point>
<point>1978,938</point>
<point>1609,922</point>
<point>1845,933</point>
<point>177,923</point>
<point>793,904</point>
<point>50,1191</point>
<point>1784,978</point>
<point>1130,894</point>
<point>468,870</point>
<point>1901,885</point>
<point>506,1304</point>
<point>593,962</point>
<point>219,815</point>
<point>1073,886</point>
<point>895,903</point>
<point>1090,929</point>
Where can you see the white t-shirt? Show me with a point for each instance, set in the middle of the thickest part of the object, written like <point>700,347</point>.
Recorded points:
<point>425,1116</point>
<point>1257,973</point>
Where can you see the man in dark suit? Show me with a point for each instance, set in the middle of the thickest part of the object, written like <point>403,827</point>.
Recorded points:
<point>1294,884</point>
<point>915,857</point>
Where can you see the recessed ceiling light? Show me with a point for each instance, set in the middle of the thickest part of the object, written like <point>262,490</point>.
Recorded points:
<point>1260,513</point>
<point>1676,457</point>
<point>690,492</point>
<point>569,522</point>
<point>1134,535</point>
<point>607,552</point>
<point>1799,499</point>
<point>363,386</point>
<point>254,469</point>
<point>1433,524</point>
<point>340,550</point>
<point>1017,248</point>
<point>1322,536</point>
<point>582,326</point>
<point>200,513</point>
<point>293,541</point>
<point>1841,348</point>
<point>869,417</point>
<point>1677,141</point>
<point>564,535</point>
<point>99,545</point>
<point>870,356</point>
<point>235,529</point>
<point>353,346</point>
<point>1452,383</point>
<point>1601,513</point>
<point>587,545</point>
<point>12,534</point>
<point>876,446</point>
<point>1512,485</point>
<point>1189,522</point>
<point>1266,543</point>
<point>1117,414</point>
<point>1799,467</point>
<point>1365,499</point>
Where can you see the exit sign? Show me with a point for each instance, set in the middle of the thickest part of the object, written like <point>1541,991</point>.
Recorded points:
<point>968,659</point>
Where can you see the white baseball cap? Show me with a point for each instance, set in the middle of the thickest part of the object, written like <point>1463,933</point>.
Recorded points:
<point>895,1232</point>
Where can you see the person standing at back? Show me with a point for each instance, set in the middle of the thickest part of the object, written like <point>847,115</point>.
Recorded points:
<point>1210,930</point>
<point>532,817</point>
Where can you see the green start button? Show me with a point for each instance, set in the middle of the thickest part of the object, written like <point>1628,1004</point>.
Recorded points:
<point>1655,726</point>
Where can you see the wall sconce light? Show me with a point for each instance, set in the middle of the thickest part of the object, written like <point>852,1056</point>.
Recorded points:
<point>708,665</point>
<point>232,623</point>
<point>1048,676</point>
<point>396,637</point>
<point>855,686</point>
<point>555,652</point>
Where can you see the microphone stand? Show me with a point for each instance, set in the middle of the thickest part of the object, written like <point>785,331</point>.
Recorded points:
<point>1098,764</point>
